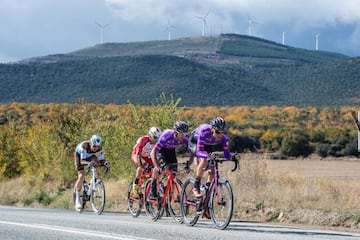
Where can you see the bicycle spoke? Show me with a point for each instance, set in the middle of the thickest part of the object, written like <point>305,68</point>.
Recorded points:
<point>189,203</point>
<point>173,201</point>
<point>134,204</point>
<point>221,205</point>
<point>153,209</point>
<point>98,197</point>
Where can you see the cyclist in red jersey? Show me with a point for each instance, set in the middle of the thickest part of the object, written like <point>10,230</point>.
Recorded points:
<point>140,155</point>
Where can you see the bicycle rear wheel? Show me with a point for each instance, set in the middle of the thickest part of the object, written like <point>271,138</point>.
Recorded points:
<point>134,204</point>
<point>221,204</point>
<point>173,200</point>
<point>152,206</point>
<point>189,203</point>
<point>97,197</point>
<point>82,199</point>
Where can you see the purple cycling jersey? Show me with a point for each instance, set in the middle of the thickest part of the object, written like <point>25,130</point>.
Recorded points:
<point>204,137</point>
<point>167,140</point>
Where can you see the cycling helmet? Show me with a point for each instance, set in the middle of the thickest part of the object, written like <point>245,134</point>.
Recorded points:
<point>95,140</point>
<point>218,124</point>
<point>181,126</point>
<point>154,133</point>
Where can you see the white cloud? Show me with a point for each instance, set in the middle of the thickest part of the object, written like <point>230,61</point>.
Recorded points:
<point>38,27</point>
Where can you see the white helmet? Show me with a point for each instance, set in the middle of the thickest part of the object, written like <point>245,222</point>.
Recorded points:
<point>95,140</point>
<point>154,133</point>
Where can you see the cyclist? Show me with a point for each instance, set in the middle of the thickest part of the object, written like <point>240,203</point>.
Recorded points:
<point>87,153</point>
<point>164,149</point>
<point>202,143</point>
<point>140,155</point>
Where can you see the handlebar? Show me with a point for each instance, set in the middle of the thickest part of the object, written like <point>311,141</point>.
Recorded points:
<point>106,165</point>
<point>221,160</point>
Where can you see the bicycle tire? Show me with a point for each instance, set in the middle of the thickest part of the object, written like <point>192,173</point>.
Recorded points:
<point>153,207</point>
<point>221,204</point>
<point>189,203</point>
<point>173,200</point>
<point>97,197</point>
<point>134,204</point>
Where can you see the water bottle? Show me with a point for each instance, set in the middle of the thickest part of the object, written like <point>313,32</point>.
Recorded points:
<point>161,189</point>
<point>86,187</point>
<point>203,189</point>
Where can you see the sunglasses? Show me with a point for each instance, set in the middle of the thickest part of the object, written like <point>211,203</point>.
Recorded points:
<point>218,132</point>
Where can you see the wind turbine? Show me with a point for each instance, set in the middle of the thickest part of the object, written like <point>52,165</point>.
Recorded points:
<point>168,28</point>
<point>250,21</point>
<point>102,26</point>
<point>204,25</point>
<point>317,41</point>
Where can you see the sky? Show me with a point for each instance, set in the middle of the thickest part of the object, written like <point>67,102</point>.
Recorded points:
<point>33,28</point>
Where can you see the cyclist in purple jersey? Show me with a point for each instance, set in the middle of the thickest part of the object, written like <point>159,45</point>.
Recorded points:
<point>202,143</point>
<point>164,149</point>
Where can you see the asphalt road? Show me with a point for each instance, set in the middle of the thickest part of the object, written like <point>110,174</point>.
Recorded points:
<point>50,224</point>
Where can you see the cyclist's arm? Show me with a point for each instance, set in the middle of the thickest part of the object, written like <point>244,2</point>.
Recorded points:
<point>226,149</point>
<point>153,154</point>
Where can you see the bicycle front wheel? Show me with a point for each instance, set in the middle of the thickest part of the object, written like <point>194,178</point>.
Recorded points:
<point>97,197</point>
<point>134,203</point>
<point>221,204</point>
<point>190,205</point>
<point>173,200</point>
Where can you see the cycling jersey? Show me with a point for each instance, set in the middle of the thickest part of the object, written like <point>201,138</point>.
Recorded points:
<point>85,152</point>
<point>167,140</point>
<point>204,137</point>
<point>143,146</point>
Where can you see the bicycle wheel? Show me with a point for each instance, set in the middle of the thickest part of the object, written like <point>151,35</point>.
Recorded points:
<point>173,200</point>
<point>189,203</point>
<point>97,197</point>
<point>221,204</point>
<point>152,206</point>
<point>82,199</point>
<point>134,204</point>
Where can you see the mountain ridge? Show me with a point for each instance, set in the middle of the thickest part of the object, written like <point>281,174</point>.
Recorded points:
<point>227,70</point>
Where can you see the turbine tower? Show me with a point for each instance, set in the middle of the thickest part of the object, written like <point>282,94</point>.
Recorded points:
<point>283,38</point>
<point>168,28</point>
<point>251,22</point>
<point>102,26</point>
<point>204,25</point>
<point>317,41</point>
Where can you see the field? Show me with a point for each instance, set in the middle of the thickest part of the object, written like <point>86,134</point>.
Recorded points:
<point>345,169</point>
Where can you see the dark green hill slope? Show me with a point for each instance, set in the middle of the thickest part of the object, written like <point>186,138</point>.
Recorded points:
<point>227,70</point>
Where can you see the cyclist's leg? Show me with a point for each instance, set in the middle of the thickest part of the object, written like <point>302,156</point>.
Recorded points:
<point>135,187</point>
<point>79,181</point>
<point>153,191</point>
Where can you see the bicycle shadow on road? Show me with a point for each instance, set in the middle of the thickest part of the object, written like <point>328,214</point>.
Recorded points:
<point>256,227</point>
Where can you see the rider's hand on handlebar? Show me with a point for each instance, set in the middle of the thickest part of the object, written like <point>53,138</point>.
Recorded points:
<point>187,167</point>
<point>236,157</point>
<point>213,156</point>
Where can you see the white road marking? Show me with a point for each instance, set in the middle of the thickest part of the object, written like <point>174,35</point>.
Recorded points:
<point>77,231</point>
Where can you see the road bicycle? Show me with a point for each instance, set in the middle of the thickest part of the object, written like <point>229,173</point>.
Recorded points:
<point>135,204</point>
<point>94,191</point>
<point>216,201</point>
<point>169,191</point>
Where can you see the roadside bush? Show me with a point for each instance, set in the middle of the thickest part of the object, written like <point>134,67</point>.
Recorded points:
<point>295,145</point>
<point>322,149</point>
